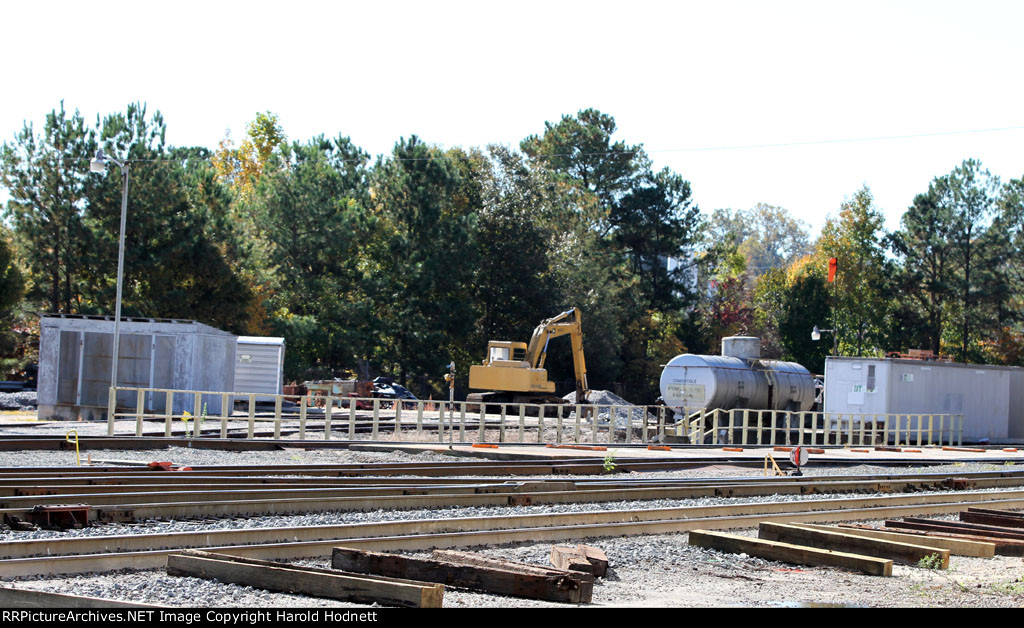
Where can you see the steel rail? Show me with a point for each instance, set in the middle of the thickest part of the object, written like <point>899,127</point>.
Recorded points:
<point>185,505</point>
<point>534,492</point>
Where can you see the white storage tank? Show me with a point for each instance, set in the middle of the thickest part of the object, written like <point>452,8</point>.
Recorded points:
<point>739,379</point>
<point>711,381</point>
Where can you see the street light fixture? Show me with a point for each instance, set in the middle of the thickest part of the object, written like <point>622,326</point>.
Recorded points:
<point>99,164</point>
<point>816,336</point>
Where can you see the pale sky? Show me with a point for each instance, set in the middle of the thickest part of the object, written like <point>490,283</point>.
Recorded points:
<point>677,76</point>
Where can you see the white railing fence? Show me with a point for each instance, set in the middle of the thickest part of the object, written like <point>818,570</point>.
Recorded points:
<point>327,417</point>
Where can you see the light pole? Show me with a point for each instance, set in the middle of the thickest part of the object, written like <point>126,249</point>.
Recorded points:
<point>99,164</point>
<point>816,336</point>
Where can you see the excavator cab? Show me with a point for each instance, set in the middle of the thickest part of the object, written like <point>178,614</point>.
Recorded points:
<point>503,351</point>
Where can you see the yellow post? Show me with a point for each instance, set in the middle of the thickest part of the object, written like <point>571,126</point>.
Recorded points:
<point>67,437</point>
<point>775,466</point>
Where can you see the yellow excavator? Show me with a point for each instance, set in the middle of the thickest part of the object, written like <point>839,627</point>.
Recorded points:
<point>513,372</point>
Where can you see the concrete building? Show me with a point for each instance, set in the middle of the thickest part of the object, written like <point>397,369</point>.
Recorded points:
<point>75,361</point>
<point>990,398</point>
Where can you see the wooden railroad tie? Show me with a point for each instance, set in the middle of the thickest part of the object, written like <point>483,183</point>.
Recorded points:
<point>473,571</point>
<point>1005,543</point>
<point>27,598</point>
<point>581,558</point>
<point>789,553</point>
<point>839,540</point>
<point>956,546</point>
<point>311,581</point>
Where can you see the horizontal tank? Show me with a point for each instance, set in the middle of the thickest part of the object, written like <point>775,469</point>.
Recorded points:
<point>792,385</point>
<point>721,382</point>
<point>712,381</point>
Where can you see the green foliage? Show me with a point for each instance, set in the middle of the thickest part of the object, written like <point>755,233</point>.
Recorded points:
<point>241,168</point>
<point>808,302</point>
<point>968,196</point>
<point>654,222</point>
<point>12,291</point>
<point>1015,587</point>
<point>426,201</point>
<point>173,266</point>
<point>855,239</point>
<point>47,179</point>
<point>609,462</point>
<point>581,150</point>
<point>932,561</point>
<point>311,217</point>
<point>515,244</point>
<point>767,236</point>
<point>401,265</point>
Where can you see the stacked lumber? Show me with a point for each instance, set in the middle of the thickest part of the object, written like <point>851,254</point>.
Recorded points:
<point>828,539</point>
<point>858,548</point>
<point>311,581</point>
<point>473,571</point>
<point>789,553</point>
<point>1003,529</point>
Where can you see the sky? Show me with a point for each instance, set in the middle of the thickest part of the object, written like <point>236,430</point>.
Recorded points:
<point>780,102</point>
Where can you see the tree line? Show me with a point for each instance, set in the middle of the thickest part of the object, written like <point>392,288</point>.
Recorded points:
<point>399,264</point>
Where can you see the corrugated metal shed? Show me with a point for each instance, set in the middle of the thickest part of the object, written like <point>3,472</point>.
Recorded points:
<point>991,398</point>
<point>259,364</point>
<point>75,358</point>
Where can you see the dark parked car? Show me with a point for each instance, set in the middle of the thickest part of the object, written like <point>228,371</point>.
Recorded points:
<point>384,388</point>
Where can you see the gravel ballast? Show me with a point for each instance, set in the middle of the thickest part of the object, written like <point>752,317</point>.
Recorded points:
<point>655,571</point>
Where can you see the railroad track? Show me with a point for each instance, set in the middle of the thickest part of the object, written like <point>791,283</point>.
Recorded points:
<point>92,554</point>
<point>185,496</point>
